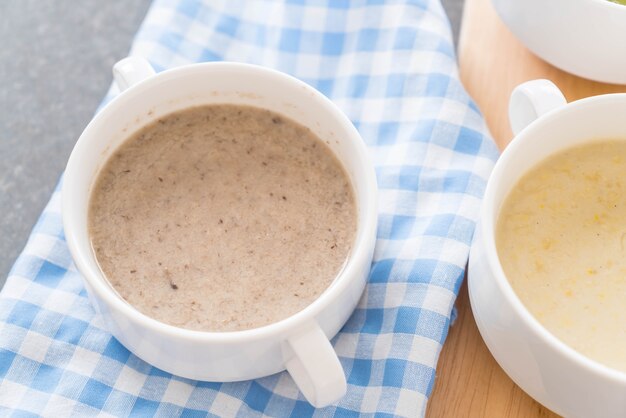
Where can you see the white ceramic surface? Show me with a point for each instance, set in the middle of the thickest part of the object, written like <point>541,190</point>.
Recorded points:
<point>299,343</point>
<point>551,372</point>
<point>584,37</point>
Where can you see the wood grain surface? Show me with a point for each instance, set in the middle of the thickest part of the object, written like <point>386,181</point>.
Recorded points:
<point>492,62</point>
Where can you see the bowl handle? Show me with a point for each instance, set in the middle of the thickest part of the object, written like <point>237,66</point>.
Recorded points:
<point>314,366</point>
<point>531,100</point>
<point>130,71</point>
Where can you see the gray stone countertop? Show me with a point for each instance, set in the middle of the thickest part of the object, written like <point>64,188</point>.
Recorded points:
<point>55,67</point>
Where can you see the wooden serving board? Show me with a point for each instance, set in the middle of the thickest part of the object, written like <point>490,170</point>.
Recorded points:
<point>492,62</point>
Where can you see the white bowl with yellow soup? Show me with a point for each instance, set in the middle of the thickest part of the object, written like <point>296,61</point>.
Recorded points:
<point>547,269</point>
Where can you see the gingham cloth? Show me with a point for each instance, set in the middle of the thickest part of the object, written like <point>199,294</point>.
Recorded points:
<point>390,66</point>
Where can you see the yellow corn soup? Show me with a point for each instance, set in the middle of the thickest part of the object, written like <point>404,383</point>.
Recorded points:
<point>561,240</point>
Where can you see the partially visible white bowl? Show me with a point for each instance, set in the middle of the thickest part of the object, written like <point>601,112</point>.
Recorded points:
<point>553,373</point>
<point>584,37</point>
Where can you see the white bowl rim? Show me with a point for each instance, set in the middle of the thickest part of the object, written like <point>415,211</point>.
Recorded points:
<point>368,224</point>
<point>607,3</point>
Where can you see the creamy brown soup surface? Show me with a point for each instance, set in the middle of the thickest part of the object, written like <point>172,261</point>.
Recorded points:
<point>222,218</point>
<point>561,239</point>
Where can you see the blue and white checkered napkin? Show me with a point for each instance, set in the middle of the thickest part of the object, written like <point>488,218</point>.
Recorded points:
<point>391,68</point>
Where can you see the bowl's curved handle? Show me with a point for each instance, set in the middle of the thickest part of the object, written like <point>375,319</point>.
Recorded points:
<point>314,366</point>
<point>533,99</point>
<point>130,71</point>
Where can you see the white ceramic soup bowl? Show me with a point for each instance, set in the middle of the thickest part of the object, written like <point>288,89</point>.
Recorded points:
<point>299,343</point>
<point>554,374</point>
<point>584,37</point>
